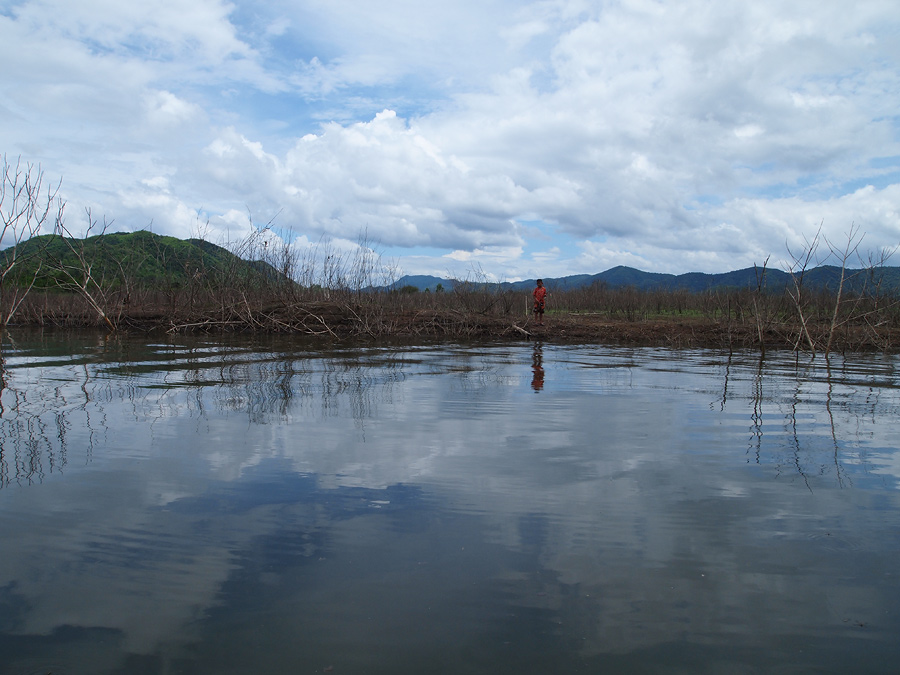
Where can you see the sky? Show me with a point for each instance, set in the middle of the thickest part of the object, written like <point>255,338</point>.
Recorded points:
<point>498,139</point>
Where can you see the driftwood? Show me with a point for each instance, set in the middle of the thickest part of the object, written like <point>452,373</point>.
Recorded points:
<point>522,331</point>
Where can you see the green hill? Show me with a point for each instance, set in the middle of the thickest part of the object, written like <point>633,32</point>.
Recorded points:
<point>144,259</point>
<point>151,261</point>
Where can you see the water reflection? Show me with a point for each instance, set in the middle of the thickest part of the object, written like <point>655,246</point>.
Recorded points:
<point>537,367</point>
<point>231,507</point>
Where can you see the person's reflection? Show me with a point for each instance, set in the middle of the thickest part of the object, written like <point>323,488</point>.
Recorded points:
<point>537,367</point>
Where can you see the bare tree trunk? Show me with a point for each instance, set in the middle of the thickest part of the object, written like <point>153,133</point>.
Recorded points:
<point>760,285</point>
<point>801,262</point>
<point>24,211</point>
<point>851,248</point>
<point>81,277</point>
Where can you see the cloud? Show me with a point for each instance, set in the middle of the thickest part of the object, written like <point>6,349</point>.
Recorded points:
<point>162,30</point>
<point>384,177</point>
<point>696,133</point>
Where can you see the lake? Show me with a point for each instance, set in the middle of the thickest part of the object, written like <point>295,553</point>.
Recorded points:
<point>237,505</point>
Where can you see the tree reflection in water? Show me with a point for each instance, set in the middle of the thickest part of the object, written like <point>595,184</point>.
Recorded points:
<point>265,506</point>
<point>49,396</point>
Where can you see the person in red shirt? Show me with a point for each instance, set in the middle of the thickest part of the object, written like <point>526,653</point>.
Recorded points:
<point>539,293</point>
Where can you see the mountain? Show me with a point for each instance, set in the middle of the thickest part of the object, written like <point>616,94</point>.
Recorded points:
<point>145,259</point>
<point>153,261</point>
<point>825,276</point>
<point>423,282</point>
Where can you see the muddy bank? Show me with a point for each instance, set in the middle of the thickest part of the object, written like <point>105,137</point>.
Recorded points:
<point>335,321</point>
<point>668,332</point>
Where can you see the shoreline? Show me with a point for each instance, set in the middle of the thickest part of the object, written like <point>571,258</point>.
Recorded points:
<point>333,322</point>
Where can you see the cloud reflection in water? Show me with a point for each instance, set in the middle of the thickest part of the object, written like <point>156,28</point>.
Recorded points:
<point>229,508</point>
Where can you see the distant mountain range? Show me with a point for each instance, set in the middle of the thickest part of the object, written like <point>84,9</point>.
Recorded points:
<point>155,261</point>
<point>825,276</point>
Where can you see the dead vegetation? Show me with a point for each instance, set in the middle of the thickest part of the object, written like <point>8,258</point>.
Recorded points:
<point>848,317</point>
<point>735,319</point>
<point>343,294</point>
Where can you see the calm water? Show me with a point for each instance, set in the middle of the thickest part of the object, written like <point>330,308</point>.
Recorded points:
<point>236,507</point>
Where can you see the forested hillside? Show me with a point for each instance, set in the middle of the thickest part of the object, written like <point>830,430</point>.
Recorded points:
<point>135,259</point>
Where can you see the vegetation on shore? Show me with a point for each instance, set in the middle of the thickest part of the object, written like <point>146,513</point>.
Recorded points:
<point>145,282</point>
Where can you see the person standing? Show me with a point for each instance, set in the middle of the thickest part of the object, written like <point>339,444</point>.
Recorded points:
<point>540,295</point>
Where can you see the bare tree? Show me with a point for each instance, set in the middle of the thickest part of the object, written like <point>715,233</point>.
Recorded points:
<point>801,261</point>
<point>26,207</point>
<point>854,239</point>
<point>80,276</point>
<point>759,303</point>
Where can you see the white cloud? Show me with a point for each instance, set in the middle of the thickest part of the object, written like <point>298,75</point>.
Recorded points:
<point>156,31</point>
<point>165,109</point>
<point>672,137</point>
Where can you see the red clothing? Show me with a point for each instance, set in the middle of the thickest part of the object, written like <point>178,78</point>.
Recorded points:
<point>539,294</point>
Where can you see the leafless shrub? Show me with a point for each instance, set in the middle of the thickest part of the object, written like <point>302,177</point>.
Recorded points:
<point>26,208</point>
<point>80,276</point>
<point>477,294</point>
<point>801,261</point>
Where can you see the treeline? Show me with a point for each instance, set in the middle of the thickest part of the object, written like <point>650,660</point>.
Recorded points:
<point>129,280</point>
<point>147,282</point>
<point>815,320</point>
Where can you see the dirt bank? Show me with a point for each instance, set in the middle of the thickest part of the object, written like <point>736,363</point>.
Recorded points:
<point>668,332</point>
<point>336,321</point>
